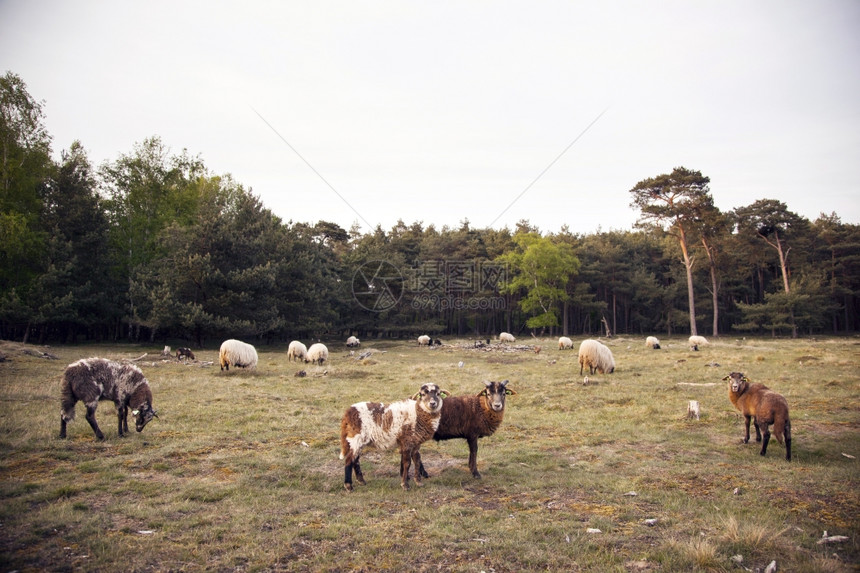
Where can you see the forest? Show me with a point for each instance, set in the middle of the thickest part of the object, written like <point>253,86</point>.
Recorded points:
<point>155,246</point>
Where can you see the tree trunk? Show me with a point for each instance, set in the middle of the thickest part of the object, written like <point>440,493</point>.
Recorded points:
<point>688,265</point>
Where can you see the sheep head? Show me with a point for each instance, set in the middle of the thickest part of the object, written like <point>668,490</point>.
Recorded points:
<point>495,392</point>
<point>737,381</point>
<point>430,396</point>
<point>143,415</point>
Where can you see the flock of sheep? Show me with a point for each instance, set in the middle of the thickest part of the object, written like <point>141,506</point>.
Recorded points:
<point>431,413</point>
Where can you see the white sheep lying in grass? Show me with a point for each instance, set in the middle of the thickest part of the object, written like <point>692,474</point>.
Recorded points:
<point>296,350</point>
<point>317,353</point>
<point>697,341</point>
<point>652,342</point>
<point>352,342</point>
<point>596,356</point>
<point>237,353</point>
<point>507,337</point>
<point>564,343</point>
<point>406,424</point>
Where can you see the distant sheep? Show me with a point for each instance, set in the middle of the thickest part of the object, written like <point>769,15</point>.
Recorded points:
<point>237,353</point>
<point>507,337</point>
<point>296,350</point>
<point>406,424</point>
<point>652,342</point>
<point>596,356</point>
<point>352,342</point>
<point>564,343</point>
<point>423,340</point>
<point>317,354</point>
<point>93,379</point>
<point>186,352</point>
<point>697,341</point>
<point>471,417</point>
<point>764,407</point>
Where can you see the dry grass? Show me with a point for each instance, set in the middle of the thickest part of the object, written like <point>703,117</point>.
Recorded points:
<point>241,470</point>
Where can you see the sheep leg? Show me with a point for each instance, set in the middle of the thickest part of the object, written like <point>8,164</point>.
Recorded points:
<point>416,461</point>
<point>757,431</point>
<point>420,465</point>
<point>348,466</point>
<point>766,438</point>
<point>747,429</point>
<point>91,418</point>
<point>62,427</point>
<point>359,477</point>
<point>122,417</point>
<point>405,462</point>
<point>787,434</point>
<point>473,456</point>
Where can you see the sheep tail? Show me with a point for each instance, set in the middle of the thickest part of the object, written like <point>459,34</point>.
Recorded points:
<point>67,402</point>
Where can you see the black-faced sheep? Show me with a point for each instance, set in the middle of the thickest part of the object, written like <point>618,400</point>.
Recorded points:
<point>296,350</point>
<point>92,379</point>
<point>423,340</point>
<point>317,353</point>
<point>406,424</point>
<point>472,417</point>
<point>697,341</point>
<point>596,356</point>
<point>237,353</point>
<point>652,342</point>
<point>565,343</point>
<point>507,337</point>
<point>764,407</point>
<point>352,342</point>
<point>186,352</point>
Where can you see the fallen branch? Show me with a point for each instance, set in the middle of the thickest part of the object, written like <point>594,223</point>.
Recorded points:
<point>696,384</point>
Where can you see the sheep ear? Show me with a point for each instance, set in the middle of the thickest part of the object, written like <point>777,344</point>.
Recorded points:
<point>135,412</point>
<point>510,392</point>
<point>745,379</point>
<point>727,377</point>
<point>444,393</point>
<point>416,396</point>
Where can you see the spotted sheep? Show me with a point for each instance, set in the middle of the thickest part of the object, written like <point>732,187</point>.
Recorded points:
<point>92,379</point>
<point>405,423</point>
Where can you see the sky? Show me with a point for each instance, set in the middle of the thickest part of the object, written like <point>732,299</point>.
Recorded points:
<point>370,112</point>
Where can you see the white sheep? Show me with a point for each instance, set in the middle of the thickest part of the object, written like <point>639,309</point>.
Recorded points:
<point>652,342</point>
<point>596,356</point>
<point>352,341</point>
<point>296,350</point>
<point>423,340</point>
<point>317,354</point>
<point>237,353</point>
<point>564,343</point>
<point>507,337</point>
<point>697,341</point>
<point>406,424</point>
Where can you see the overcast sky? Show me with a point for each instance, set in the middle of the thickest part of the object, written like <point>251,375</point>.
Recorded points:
<point>370,112</point>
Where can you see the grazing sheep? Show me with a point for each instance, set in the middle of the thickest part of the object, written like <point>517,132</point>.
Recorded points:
<point>652,342</point>
<point>764,407</point>
<point>180,352</point>
<point>507,337</point>
<point>297,351</point>
<point>92,379</point>
<point>237,353</point>
<point>472,417</point>
<point>697,341</point>
<point>596,356</point>
<point>423,340</point>
<point>564,343</point>
<point>317,354</point>
<point>436,342</point>
<point>352,342</point>
<point>406,424</point>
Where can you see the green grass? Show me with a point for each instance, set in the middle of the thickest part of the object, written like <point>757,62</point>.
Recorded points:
<point>241,470</point>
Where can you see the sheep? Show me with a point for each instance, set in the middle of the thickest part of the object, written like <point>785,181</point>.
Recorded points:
<point>296,350</point>
<point>237,353</point>
<point>317,354</point>
<point>652,342</point>
<point>353,342</point>
<point>764,407</point>
<point>92,379</point>
<point>564,343</point>
<point>697,341</point>
<point>406,423</point>
<point>180,352</point>
<point>423,340</point>
<point>436,342</point>
<point>507,337</point>
<point>472,417</point>
<point>596,356</point>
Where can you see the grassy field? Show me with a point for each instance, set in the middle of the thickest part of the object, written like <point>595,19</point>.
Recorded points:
<point>240,472</point>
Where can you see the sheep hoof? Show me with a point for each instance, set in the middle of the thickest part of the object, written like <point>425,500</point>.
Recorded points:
<point>405,486</point>
<point>348,487</point>
<point>360,481</point>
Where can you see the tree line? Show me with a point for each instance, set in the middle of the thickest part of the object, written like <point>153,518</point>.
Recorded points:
<point>155,246</point>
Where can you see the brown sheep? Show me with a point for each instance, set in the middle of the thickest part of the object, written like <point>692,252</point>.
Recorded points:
<point>472,417</point>
<point>764,407</point>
